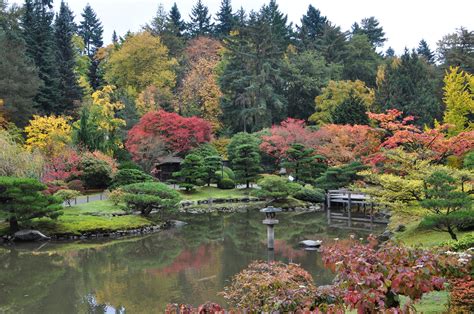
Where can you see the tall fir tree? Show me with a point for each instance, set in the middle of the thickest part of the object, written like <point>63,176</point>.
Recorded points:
<point>333,44</point>
<point>425,51</point>
<point>226,20</point>
<point>312,28</point>
<point>389,53</point>
<point>64,30</point>
<point>457,49</point>
<point>91,31</point>
<point>19,80</point>
<point>175,23</point>
<point>372,29</point>
<point>409,85</point>
<point>252,82</point>
<point>361,60</point>
<point>38,33</point>
<point>200,20</point>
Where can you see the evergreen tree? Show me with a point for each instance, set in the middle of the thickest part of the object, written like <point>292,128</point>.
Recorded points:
<point>19,80</point>
<point>424,51</point>
<point>409,85</point>
<point>38,34</point>
<point>159,21</point>
<point>225,19</point>
<point>115,39</point>
<point>240,18</point>
<point>200,20</point>
<point>64,29</point>
<point>304,165</point>
<point>212,164</point>
<point>352,111</point>
<point>457,49</point>
<point>90,29</point>
<point>244,156</point>
<point>252,82</point>
<point>338,177</point>
<point>370,27</point>
<point>192,172</point>
<point>390,53</point>
<point>361,61</point>
<point>333,44</point>
<point>312,28</point>
<point>175,23</point>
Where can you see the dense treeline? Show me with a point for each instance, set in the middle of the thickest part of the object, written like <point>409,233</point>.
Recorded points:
<point>243,71</point>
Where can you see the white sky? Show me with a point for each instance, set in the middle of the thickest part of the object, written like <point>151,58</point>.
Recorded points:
<point>405,22</point>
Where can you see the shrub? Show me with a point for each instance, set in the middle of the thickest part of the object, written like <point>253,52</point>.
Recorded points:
<point>276,188</point>
<point>23,199</point>
<point>148,196</point>
<point>310,194</point>
<point>54,186</point>
<point>75,185</point>
<point>270,287</point>
<point>96,174</point>
<point>129,165</point>
<point>129,176</point>
<point>116,196</point>
<point>228,173</point>
<point>226,184</point>
<point>67,195</point>
<point>463,244</point>
<point>462,295</point>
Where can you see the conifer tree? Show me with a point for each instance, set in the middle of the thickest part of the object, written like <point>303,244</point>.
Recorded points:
<point>333,44</point>
<point>361,60</point>
<point>90,29</point>
<point>304,165</point>
<point>244,155</point>
<point>425,51</point>
<point>192,172</point>
<point>370,27</point>
<point>351,111</point>
<point>389,53</point>
<point>64,29</point>
<point>38,34</point>
<point>200,20</point>
<point>312,28</point>
<point>175,23</point>
<point>225,19</point>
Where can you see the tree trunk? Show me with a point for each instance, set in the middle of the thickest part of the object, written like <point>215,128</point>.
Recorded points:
<point>452,234</point>
<point>248,184</point>
<point>14,227</point>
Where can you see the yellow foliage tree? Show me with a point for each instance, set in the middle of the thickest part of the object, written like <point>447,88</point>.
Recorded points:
<point>221,145</point>
<point>141,61</point>
<point>459,100</point>
<point>48,134</point>
<point>335,94</point>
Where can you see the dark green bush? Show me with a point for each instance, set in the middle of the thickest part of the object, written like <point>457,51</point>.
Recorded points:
<point>148,196</point>
<point>96,174</point>
<point>463,244</point>
<point>226,184</point>
<point>129,176</point>
<point>276,187</point>
<point>129,165</point>
<point>308,194</point>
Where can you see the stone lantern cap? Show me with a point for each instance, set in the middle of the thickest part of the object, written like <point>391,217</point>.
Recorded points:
<point>270,209</point>
<point>270,213</point>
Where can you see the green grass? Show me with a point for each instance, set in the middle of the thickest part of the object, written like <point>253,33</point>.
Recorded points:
<point>91,217</point>
<point>204,193</point>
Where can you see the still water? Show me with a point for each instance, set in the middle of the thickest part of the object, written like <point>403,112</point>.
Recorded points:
<point>190,265</point>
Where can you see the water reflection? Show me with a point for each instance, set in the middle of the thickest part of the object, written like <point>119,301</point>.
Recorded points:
<point>142,275</point>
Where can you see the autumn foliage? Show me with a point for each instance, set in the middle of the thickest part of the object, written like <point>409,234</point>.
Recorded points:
<point>176,134</point>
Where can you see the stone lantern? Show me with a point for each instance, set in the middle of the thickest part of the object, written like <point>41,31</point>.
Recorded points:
<point>270,221</point>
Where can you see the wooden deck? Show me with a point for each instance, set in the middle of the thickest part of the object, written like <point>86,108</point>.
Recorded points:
<point>367,209</point>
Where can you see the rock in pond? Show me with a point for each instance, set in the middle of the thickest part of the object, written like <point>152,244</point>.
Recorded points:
<point>30,235</point>
<point>311,243</point>
<point>177,223</point>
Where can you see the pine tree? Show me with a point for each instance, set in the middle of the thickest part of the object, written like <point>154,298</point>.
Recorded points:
<point>19,80</point>
<point>115,39</point>
<point>90,29</point>
<point>304,165</point>
<point>200,20</point>
<point>409,85</point>
<point>38,34</point>
<point>333,44</point>
<point>338,177</point>
<point>312,28</point>
<point>390,53</point>
<point>424,51</point>
<point>175,24</point>
<point>192,172</point>
<point>64,29</point>
<point>244,156</point>
<point>370,27</point>
<point>361,61</point>
<point>457,49</point>
<point>225,19</point>
<point>159,21</point>
<point>352,111</point>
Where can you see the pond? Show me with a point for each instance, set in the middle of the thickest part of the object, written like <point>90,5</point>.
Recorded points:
<point>141,275</point>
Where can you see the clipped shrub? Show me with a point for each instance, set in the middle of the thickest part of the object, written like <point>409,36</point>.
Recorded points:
<point>54,186</point>
<point>96,173</point>
<point>463,244</point>
<point>116,196</point>
<point>129,176</point>
<point>75,185</point>
<point>310,194</point>
<point>276,188</point>
<point>270,287</point>
<point>148,196</point>
<point>226,184</point>
<point>67,195</point>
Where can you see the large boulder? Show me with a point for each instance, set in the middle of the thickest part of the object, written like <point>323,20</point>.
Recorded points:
<point>29,236</point>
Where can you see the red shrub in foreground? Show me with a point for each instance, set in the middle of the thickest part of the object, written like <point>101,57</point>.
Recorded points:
<point>462,295</point>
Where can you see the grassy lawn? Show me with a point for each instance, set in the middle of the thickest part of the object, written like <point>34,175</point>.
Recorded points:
<point>205,192</point>
<point>91,217</point>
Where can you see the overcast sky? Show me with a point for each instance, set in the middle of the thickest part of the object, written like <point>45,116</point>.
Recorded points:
<point>405,22</point>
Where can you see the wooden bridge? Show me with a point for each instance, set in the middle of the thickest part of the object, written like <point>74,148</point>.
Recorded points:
<point>350,200</point>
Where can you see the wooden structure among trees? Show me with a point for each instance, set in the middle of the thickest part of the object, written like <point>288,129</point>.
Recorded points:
<point>349,201</point>
<point>165,167</point>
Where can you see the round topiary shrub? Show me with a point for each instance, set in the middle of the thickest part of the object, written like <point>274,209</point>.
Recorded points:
<point>226,184</point>
<point>270,287</point>
<point>129,176</point>
<point>308,194</point>
<point>96,173</point>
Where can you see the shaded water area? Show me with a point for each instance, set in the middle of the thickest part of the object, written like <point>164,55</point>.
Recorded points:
<point>141,275</point>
